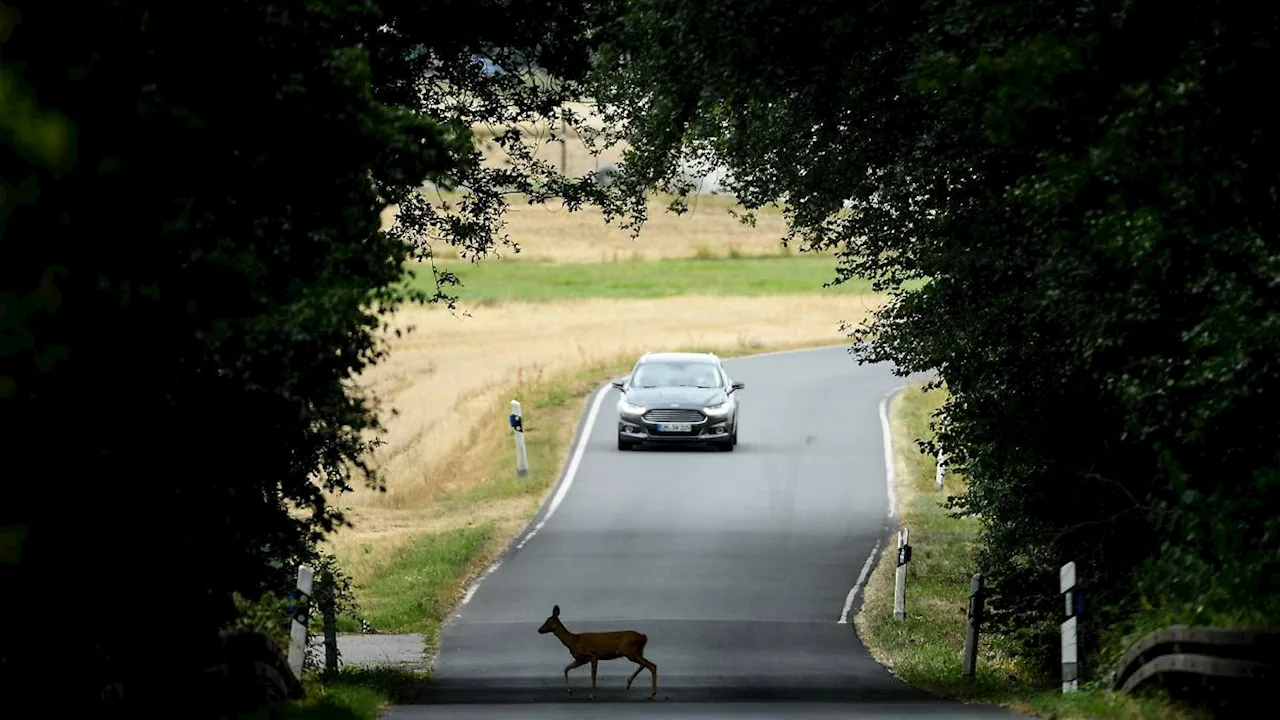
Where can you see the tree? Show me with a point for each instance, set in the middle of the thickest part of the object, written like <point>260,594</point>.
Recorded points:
<point>519,70</point>
<point>192,274</point>
<point>1082,187</point>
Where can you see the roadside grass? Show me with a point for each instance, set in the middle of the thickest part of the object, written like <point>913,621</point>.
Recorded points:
<point>926,648</point>
<point>414,592</point>
<point>497,281</point>
<point>352,694</point>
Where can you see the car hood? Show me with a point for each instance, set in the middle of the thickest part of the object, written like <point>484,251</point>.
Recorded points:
<point>685,397</point>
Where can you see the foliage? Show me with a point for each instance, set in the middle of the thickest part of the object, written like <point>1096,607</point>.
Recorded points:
<point>267,614</point>
<point>1083,186</point>
<point>514,79</point>
<point>925,649</point>
<point>332,592</point>
<point>192,274</point>
<point>353,693</point>
<point>271,612</point>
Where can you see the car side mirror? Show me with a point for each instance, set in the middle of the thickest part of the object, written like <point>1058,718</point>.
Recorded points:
<point>620,384</point>
<point>739,385</point>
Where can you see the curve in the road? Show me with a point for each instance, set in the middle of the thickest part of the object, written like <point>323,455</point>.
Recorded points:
<point>738,566</point>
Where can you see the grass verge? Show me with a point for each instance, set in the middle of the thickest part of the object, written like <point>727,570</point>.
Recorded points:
<point>414,592</point>
<point>353,694</point>
<point>925,649</point>
<point>496,281</point>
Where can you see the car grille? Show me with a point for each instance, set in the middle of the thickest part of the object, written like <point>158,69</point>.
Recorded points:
<point>676,415</point>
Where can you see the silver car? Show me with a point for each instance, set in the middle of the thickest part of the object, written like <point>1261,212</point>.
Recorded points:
<point>678,398</point>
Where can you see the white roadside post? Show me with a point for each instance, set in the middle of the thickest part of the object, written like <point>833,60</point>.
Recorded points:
<point>900,580</point>
<point>1070,644</point>
<point>298,611</point>
<point>517,424</point>
<point>942,473</point>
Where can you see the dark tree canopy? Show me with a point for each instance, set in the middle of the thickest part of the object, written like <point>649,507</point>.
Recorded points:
<point>192,274</point>
<point>1085,188</point>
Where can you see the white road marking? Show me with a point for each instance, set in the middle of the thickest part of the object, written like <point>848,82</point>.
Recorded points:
<point>887,433</point>
<point>569,475</point>
<point>471,591</point>
<point>857,585</point>
<point>572,472</point>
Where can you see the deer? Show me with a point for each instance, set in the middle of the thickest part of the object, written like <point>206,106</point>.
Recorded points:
<point>592,647</point>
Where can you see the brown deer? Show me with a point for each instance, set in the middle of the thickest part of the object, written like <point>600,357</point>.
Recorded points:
<point>592,647</point>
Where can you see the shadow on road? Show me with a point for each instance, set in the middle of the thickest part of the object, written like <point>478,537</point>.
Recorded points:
<point>704,690</point>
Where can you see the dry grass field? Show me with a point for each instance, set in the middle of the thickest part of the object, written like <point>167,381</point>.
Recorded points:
<point>553,233</point>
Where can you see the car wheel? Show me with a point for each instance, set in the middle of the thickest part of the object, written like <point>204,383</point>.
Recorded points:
<point>623,444</point>
<point>735,435</point>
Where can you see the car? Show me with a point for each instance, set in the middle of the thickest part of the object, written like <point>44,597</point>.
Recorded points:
<point>677,398</point>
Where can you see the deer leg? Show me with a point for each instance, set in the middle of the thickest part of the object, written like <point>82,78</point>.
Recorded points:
<point>593,679</point>
<point>577,662</point>
<point>653,670</point>
<point>639,669</point>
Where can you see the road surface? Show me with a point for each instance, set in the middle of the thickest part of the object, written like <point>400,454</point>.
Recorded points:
<point>738,566</point>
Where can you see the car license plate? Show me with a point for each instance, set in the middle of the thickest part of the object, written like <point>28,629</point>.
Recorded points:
<point>675,427</point>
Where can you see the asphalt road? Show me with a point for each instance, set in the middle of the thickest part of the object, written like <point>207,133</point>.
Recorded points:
<point>738,566</point>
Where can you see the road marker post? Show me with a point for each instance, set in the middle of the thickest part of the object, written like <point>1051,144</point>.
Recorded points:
<point>299,610</point>
<point>517,424</point>
<point>328,597</point>
<point>900,579</point>
<point>973,621</point>
<point>942,472</point>
<point>1071,666</point>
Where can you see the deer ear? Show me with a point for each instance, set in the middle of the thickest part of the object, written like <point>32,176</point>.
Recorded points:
<point>555,611</point>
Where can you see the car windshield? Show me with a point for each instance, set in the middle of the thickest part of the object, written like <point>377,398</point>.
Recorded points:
<point>676,374</point>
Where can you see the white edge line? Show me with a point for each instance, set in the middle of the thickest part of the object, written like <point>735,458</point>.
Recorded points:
<point>857,585</point>
<point>578,451</point>
<point>570,473</point>
<point>887,433</point>
<point>471,591</point>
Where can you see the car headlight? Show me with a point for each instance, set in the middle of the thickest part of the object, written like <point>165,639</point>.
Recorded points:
<point>627,408</point>
<point>721,409</point>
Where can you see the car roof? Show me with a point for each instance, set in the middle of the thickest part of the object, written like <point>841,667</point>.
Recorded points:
<point>679,357</point>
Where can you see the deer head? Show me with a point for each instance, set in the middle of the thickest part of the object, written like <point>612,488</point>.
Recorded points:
<point>552,622</point>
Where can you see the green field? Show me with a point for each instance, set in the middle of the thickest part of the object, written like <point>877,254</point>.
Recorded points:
<point>490,281</point>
